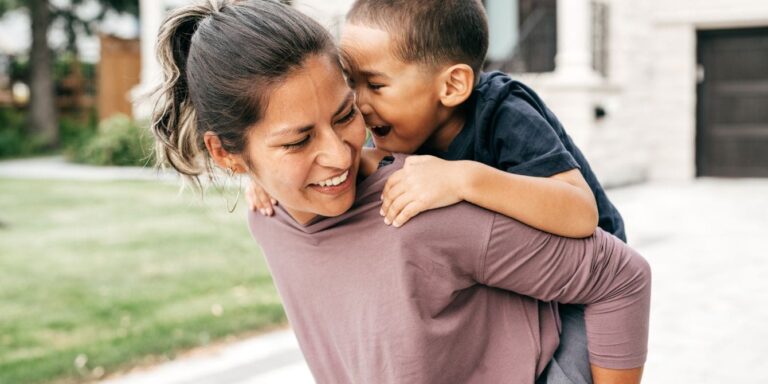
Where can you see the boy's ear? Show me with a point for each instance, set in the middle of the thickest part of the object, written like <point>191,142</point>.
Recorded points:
<point>456,84</point>
<point>221,157</point>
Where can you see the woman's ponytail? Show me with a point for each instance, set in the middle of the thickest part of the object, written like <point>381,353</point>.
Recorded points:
<point>174,123</point>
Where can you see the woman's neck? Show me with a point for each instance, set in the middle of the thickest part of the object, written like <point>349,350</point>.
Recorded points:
<point>370,159</point>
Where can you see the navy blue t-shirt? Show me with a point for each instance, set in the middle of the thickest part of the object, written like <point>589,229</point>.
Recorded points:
<point>509,128</point>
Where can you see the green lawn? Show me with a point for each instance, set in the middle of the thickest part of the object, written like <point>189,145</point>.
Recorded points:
<point>96,276</point>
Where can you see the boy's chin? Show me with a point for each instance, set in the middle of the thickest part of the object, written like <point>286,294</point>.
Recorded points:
<point>387,145</point>
<point>392,147</point>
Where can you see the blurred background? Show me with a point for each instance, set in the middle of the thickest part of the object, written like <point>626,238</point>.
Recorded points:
<point>107,273</point>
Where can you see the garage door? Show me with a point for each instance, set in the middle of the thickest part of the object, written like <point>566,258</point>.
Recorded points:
<point>732,116</point>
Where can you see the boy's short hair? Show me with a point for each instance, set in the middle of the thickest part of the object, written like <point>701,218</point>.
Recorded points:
<point>429,31</point>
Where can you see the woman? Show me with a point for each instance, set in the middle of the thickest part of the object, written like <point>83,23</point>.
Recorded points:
<point>459,295</point>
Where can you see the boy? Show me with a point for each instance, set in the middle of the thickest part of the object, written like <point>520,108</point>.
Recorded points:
<point>415,66</point>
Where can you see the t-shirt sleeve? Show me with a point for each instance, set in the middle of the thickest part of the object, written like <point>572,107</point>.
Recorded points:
<point>526,143</point>
<point>612,280</point>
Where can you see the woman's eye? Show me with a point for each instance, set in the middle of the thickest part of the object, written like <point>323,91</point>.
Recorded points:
<point>375,87</point>
<point>349,116</point>
<point>297,144</point>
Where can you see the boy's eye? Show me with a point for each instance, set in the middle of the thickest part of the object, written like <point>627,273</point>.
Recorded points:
<point>297,144</point>
<point>375,87</point>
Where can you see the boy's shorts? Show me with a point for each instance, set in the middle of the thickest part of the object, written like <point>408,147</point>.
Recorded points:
<point>570,364</point>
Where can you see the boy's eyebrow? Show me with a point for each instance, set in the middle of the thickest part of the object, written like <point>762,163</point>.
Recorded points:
<point>349,64</point>
<point>372,73</point>
<point>302,129</point>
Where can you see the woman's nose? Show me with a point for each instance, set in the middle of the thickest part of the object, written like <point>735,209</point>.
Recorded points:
<point>334,152</point>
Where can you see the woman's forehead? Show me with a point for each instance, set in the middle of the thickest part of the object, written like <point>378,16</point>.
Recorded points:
<point>312,92</point>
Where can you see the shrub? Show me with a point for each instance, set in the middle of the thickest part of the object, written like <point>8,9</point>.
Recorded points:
<point>118,141</point>
<point>14,140</point>
<point>76,133</point>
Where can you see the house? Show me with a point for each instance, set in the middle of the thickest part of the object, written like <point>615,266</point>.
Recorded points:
<point>649,89</point>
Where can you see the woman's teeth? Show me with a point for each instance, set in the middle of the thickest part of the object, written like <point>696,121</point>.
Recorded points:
<point>334,181</point>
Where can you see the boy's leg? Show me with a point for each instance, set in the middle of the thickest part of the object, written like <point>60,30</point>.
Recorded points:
<point>553,374</point>
<point>570,364</point>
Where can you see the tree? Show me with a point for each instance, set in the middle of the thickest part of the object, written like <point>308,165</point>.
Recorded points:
<point>42,118</point>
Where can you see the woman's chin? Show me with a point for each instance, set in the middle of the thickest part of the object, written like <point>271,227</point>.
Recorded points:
<point>339,206</point>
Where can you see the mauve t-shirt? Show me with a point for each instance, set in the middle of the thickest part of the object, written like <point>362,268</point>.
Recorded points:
<point>457,295</point>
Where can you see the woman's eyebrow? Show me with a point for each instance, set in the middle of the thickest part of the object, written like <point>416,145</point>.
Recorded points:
<point>293,131</point>
<point>306,128</point>
<point>350,98</point>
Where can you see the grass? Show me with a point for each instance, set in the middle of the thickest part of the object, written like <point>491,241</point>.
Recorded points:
<point>97,276</point>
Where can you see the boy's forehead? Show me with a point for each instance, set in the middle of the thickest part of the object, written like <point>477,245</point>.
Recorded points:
<point>366,48</point>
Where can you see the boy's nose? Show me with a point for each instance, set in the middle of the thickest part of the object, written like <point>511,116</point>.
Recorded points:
<point>365,109</point>
<point>363,104</point>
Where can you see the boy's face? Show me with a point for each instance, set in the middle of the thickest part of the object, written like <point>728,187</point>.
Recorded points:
<point>399,101</point>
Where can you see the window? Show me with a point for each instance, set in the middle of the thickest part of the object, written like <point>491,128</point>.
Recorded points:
<point>523,35</point>
<point>600,37</point>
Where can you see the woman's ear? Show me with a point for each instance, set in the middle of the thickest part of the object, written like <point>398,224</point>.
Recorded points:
<point>457,82</point>
<point>221,157</point>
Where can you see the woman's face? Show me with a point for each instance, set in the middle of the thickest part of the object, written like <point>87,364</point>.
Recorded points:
<point>305,152</point>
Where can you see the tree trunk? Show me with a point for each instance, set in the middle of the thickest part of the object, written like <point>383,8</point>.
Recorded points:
<point>43,122</point>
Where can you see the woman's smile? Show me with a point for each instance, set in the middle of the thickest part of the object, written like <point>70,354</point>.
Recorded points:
<point>334,185</point>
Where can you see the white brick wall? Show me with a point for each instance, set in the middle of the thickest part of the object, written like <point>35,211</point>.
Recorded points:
<point>330,13</point>
<point>650,93</point>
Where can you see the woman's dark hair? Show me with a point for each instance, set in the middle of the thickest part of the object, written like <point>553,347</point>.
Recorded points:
<point>220,59</point>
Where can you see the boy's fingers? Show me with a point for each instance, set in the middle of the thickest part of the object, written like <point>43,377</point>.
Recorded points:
<point>250,195</point>
<point>393,180</point>
<point>412,209</point>
<point>390,196</point>
<point>267,205</point>
<point>263,203</point>
<point>394,209</point>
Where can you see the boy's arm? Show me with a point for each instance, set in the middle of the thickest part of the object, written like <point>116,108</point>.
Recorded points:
<point>562,204</point>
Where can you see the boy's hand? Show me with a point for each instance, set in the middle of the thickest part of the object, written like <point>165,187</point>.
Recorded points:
<point>424,183</point>
<point>259,200</point>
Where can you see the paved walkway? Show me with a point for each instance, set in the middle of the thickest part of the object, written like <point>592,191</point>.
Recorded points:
<point>55,167</point>
<point>706,241</point>
<point>270,359</point>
